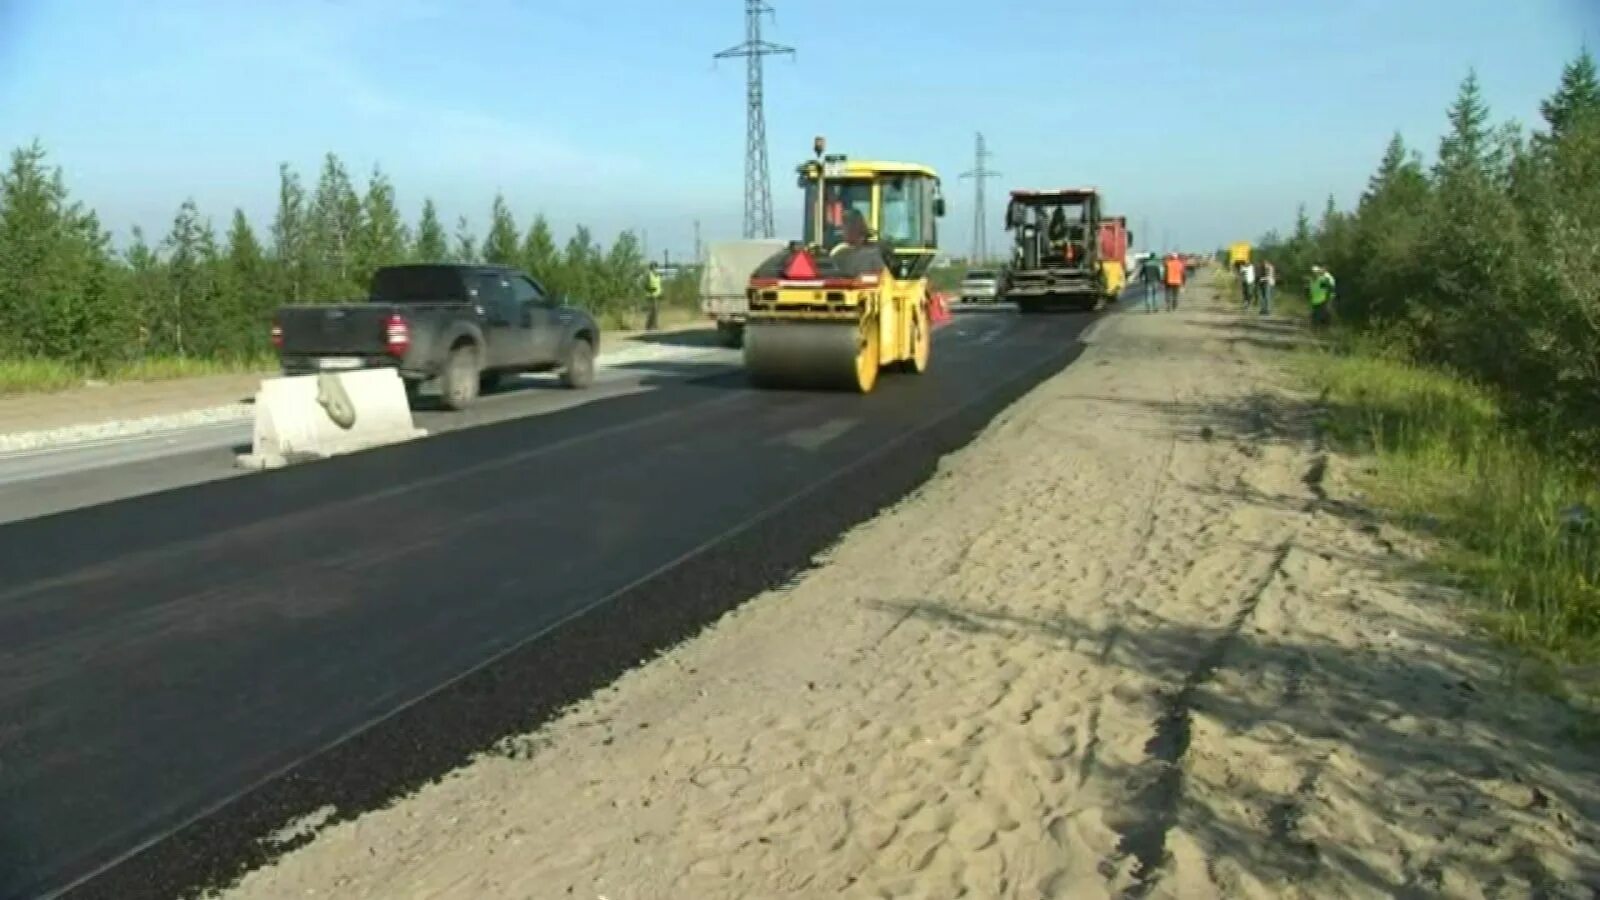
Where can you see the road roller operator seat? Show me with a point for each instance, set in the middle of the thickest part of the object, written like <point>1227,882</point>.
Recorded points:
<point>856,233</point>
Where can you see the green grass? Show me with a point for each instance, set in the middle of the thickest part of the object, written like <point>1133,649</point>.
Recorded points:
<point>32,375</point>
<point>1446,463</point>
<point>18,376</point>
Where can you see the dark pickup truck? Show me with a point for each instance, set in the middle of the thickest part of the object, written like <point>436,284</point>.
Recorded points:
<point>462,326</point>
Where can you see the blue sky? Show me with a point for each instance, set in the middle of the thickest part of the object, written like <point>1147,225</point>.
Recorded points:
<point>1208,120</point>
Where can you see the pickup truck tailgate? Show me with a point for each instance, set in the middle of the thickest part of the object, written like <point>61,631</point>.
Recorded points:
<point>345,330</point>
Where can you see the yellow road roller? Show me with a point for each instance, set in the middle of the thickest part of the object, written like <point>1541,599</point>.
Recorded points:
<point>851,298</point>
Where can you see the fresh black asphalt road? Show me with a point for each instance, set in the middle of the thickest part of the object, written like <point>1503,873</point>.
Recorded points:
<point>47,481</point>
<point>161,655</point>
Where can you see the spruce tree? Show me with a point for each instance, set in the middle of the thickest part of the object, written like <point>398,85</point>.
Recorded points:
<point>143,284</point>
<point>291,238</point>
<point>465,249</point>
<point>33,249</point>
<point>382,238</point>
<point>579,262</point>
<point>185,321</point>
<point>335,226</point>
<point>246,289</point>
<point>500,247</point>
<point>432,245</point>
<point>1465,149</point>
<point>54,266</point>
<point>1577,98</point>
<point>98,331</point>
<point>539,256</point>
<point>1389,168</point>
<point>624,268</point>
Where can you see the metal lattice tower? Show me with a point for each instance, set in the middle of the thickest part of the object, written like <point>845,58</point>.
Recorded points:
<point>757,179</point>
<point>979,174</point>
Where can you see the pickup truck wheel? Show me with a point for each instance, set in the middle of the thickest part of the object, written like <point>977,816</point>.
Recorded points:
<point>458,386</point>
<point>578,370</point>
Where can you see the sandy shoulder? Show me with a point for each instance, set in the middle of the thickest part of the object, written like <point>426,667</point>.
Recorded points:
<point>1133,622</point>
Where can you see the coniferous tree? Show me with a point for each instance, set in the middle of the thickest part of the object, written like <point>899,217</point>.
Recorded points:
<point>465,249</point>
<point>32,250</point>
<point>246,287</point>
<point>500,247</point>
<point>144,284</point>
<point>1389,168</point>
<point>335,229</point>
<point>185,321</point>
<point>382,238</point>
<point>580,269</point>
<point>98,329</point>
<point>54,265</point>
<point>539,256</point>
<point>1577,98</point>
<point>1466,148</point>
<point>432,245</point>
<point>624,268</point>
<point>1302,225</point>
<point>291,238</point>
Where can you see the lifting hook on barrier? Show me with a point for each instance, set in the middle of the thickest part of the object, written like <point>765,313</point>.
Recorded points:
<point>333,399</point>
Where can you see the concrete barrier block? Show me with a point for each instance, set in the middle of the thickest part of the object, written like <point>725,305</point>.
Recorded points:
<point>306,417</point>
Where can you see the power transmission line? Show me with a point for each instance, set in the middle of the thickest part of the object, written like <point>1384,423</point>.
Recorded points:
<point>979,174</point>
<point>757,179</point>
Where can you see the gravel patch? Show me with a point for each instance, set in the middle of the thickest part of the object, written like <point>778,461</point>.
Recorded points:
<point>20,441</point>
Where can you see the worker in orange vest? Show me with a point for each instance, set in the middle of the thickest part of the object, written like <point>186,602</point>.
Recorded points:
<point>1174,280</point>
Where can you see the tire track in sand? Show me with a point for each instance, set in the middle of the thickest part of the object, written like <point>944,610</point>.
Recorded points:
<point>1144,835</point>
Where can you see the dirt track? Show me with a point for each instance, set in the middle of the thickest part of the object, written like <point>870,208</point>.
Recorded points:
<point>1135,639</point>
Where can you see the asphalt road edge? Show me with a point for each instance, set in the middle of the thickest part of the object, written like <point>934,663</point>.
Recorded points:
<point>534,682</point>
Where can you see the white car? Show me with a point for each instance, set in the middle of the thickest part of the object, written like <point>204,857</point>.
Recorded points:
<point>980,286</point>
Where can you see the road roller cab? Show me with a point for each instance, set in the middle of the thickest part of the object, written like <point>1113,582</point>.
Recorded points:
<point>851,296</point>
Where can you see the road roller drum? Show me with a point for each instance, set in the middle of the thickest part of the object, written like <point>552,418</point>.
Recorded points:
<point>838,355</point>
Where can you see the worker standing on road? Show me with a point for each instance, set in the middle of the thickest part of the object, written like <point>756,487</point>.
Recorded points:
<point>1174,265</point>
<point>1266,282</point>
<point>1150,275</point>
<point>1320,294</point>
<point>652,293</point>
<point>1247,284</point>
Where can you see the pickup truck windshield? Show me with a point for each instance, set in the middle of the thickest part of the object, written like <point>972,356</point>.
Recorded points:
<point>418,284</point>
<point>980,275</point>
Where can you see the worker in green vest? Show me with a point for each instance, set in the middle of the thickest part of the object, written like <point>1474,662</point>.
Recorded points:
<point>1320,293</point>
<point>652,293</point>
